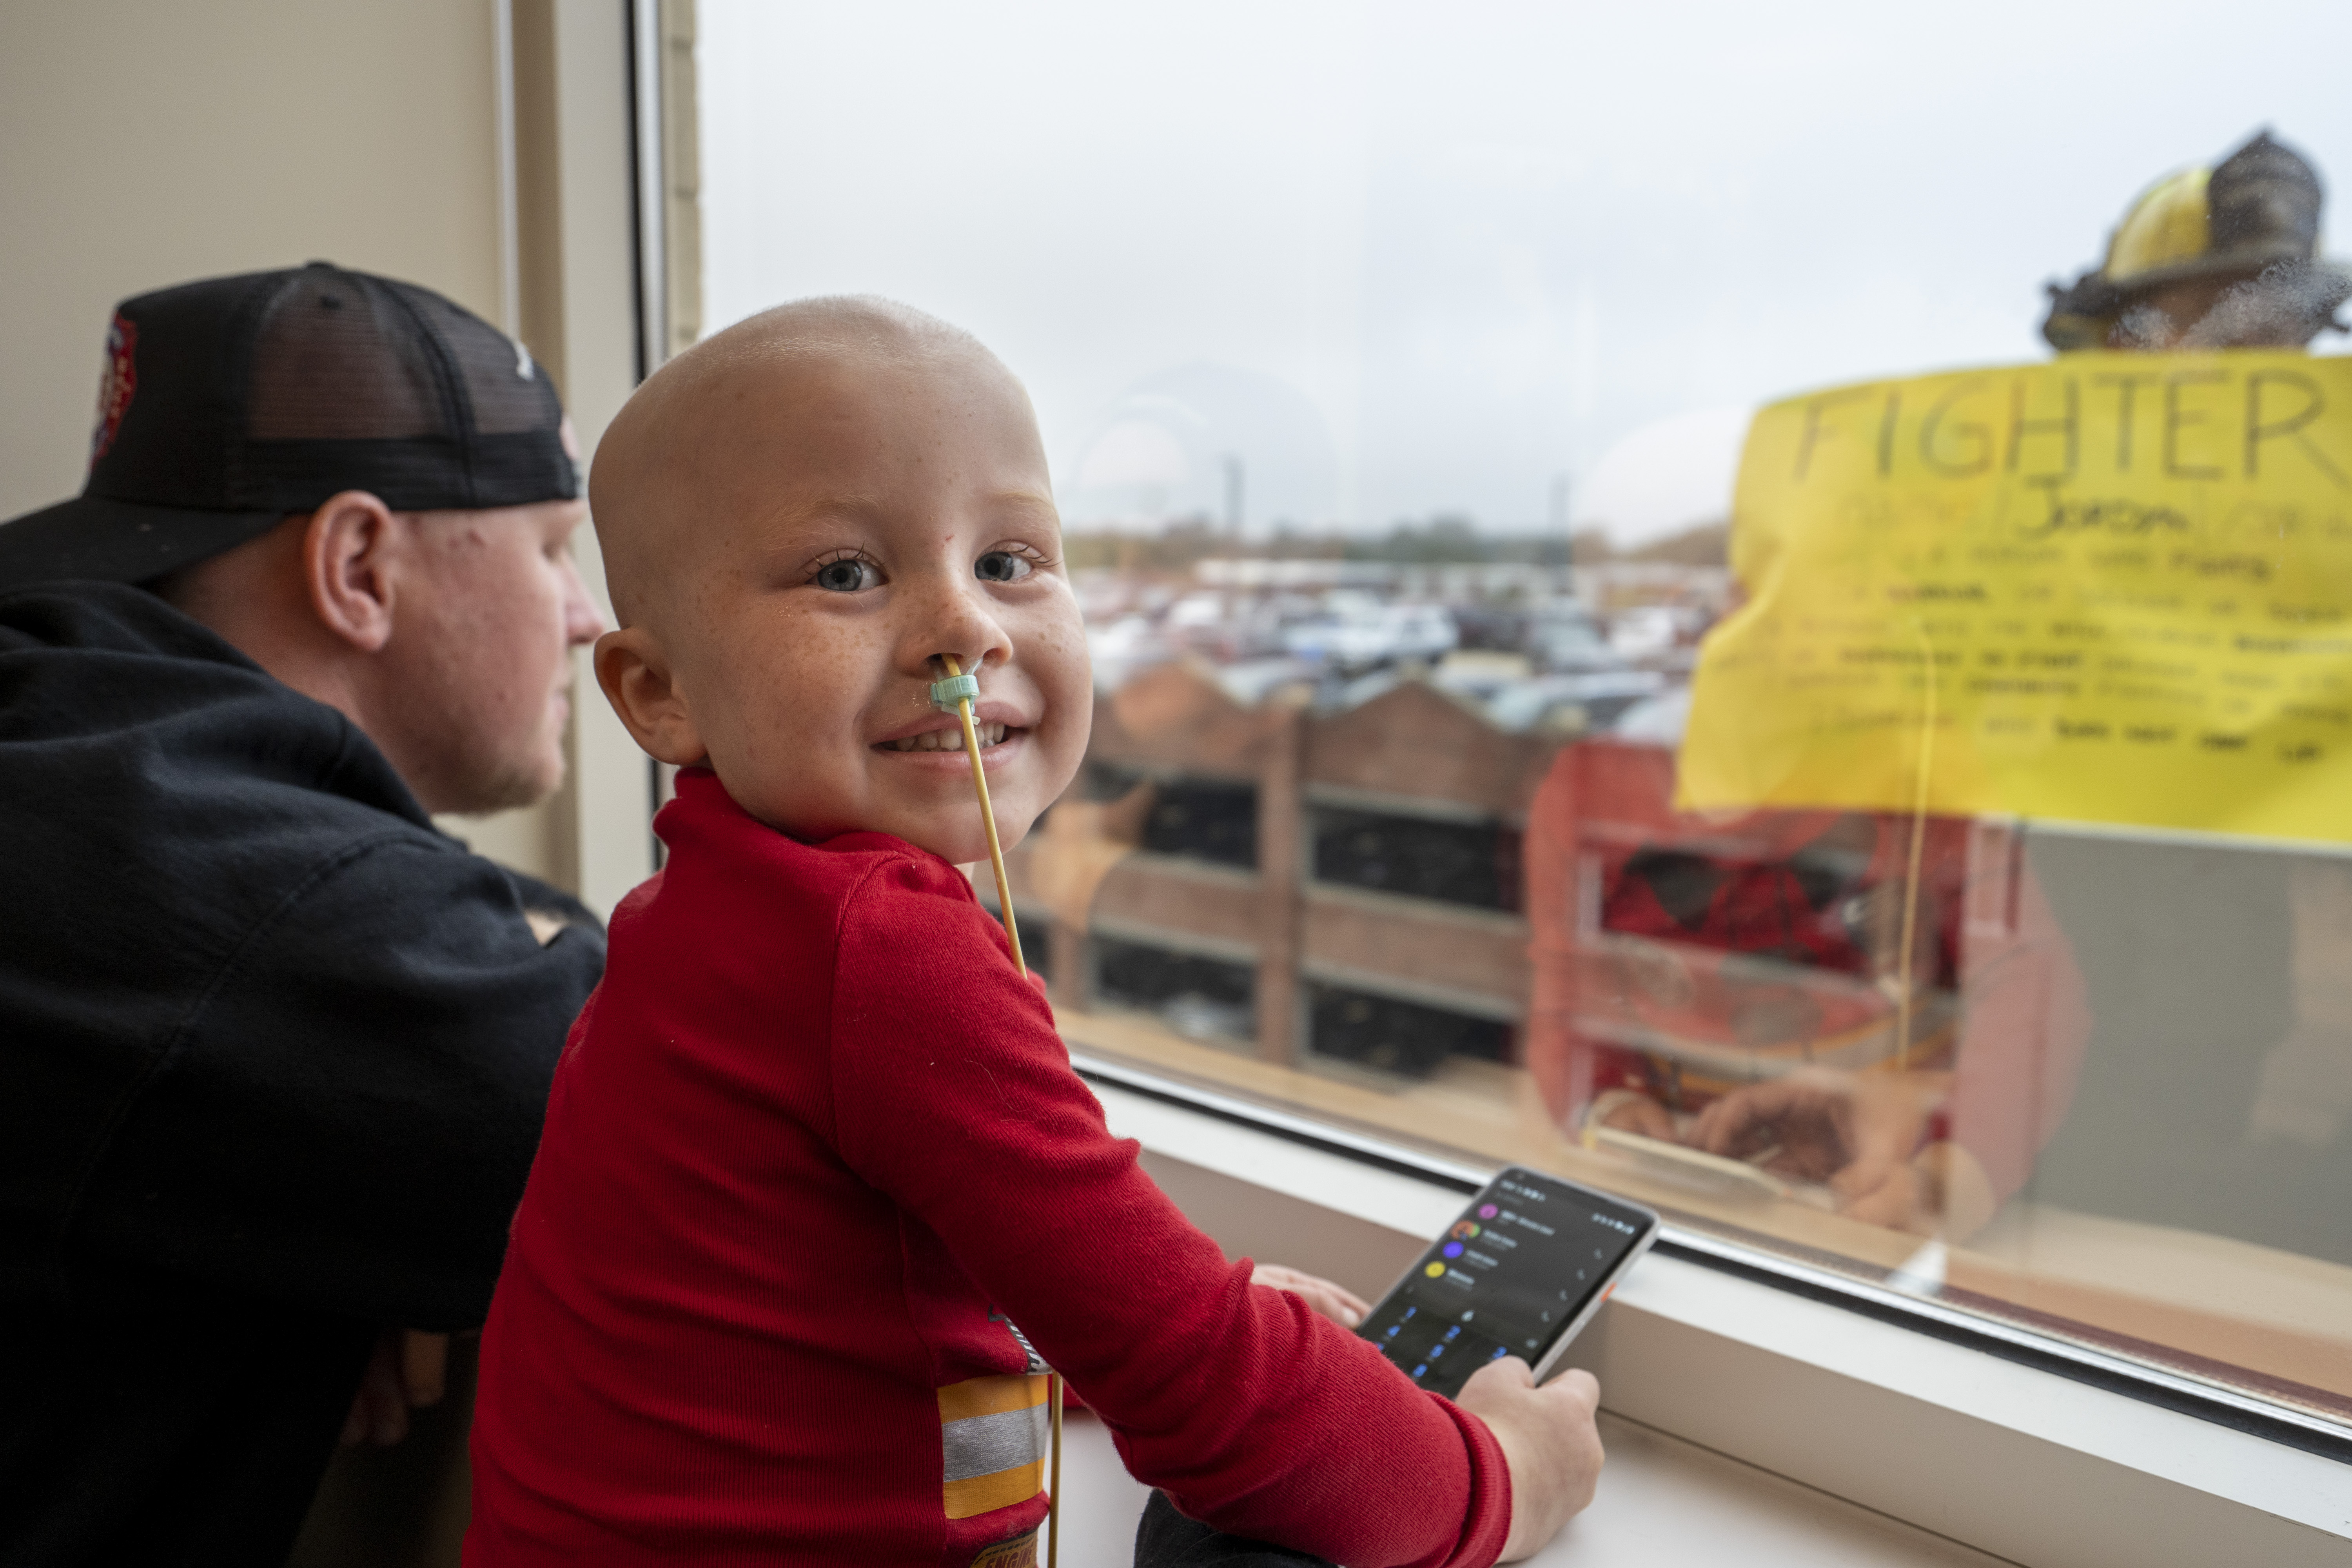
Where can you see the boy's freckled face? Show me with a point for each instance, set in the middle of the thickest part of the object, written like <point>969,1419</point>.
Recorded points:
<point>874,514</point>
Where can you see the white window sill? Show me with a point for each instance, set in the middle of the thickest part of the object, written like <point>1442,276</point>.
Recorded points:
<point>1662,1500</point>
<point>1977,1449</point>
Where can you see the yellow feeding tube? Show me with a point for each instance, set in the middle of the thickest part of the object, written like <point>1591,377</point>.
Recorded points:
<point>1054,1480</point>
<point>958,691</point>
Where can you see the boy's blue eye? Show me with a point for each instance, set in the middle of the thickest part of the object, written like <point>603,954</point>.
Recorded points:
<point>844,576</point>
<point>1001,566</point>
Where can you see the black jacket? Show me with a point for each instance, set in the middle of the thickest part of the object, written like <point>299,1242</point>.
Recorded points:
<point>273,1056</point>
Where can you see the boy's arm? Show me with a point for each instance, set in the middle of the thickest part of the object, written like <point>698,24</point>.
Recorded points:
<point>954,1095</point>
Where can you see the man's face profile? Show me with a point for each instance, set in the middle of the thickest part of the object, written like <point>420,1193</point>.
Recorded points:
<point>480,654</point>
<point>445,635</point>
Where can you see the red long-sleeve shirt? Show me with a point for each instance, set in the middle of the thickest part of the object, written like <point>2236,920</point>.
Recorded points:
<point>811,1143</point>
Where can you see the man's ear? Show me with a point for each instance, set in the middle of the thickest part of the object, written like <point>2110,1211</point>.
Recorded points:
<point>347,558</point>
<point>636,680</point>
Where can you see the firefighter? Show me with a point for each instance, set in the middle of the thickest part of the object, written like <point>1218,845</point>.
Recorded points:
<point>2216,1090</point>
<point>2219,257</point>
<point>2209,258</point>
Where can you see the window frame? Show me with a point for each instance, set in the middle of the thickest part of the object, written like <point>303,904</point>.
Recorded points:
<point>1979,1431</point>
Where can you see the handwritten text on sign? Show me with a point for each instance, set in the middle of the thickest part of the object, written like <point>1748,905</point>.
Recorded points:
<point>2116,587</point>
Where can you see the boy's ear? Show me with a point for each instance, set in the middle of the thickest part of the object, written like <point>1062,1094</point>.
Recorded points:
<point>636,682</point>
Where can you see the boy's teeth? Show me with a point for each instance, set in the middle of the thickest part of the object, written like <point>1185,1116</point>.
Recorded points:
<point>947,740</point>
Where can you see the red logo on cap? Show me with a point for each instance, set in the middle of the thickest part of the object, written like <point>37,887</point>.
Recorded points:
<point>114,391</point>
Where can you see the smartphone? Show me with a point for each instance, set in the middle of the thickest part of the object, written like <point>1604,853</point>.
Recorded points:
<point>1526,1265</point>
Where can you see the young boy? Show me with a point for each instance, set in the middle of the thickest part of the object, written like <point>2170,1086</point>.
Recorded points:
<point>815,1149</point>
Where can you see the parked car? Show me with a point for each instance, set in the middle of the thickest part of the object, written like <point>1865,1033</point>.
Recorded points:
<point>1570,642</point>
<point>1652,631</point>
<point>1363,637</point>
<point>1586,702</point>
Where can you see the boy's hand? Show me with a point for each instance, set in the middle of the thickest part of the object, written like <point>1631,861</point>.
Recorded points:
<point>1547,1439</point>
<point>1334,1302</point>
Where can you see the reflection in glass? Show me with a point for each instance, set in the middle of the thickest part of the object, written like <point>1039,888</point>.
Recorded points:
<point>1395,395</point>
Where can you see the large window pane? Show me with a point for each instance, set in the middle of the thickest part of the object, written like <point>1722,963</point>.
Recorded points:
<point>1904,826</point>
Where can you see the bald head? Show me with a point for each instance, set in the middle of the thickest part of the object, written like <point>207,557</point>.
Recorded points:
<point>804,520</point>
<point>684,455</point>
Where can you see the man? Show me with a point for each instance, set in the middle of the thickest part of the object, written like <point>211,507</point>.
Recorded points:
<point>273,1051</point>
<point>2217,1091</point>
<point>2225,258</point>
<point>2219,259</point>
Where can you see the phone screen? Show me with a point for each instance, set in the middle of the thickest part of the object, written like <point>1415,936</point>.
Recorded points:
<point>1508,1277</point>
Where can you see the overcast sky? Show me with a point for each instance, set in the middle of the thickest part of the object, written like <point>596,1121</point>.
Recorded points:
<point>1399,261</point>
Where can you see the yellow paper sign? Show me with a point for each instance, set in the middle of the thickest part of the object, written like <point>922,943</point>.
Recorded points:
<point>2113,588</point>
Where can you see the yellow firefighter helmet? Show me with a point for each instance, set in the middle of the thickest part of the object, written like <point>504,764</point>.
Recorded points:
<point>2256,210</point>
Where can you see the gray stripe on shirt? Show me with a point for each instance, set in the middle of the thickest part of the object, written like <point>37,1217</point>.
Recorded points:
<point>984,1445</point>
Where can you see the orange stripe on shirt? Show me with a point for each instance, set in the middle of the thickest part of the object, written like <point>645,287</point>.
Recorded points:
<point>979,1494</point>
<point>989,1395</point>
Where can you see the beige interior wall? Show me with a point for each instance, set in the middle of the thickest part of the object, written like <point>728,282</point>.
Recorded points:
<point>143,144</point>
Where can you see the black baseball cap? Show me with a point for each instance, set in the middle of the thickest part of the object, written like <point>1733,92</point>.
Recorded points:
<point>228,404</point>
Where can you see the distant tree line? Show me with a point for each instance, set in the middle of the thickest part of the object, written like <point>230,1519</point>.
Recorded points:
<point>1706,544</point>
<point>1448,538</point>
